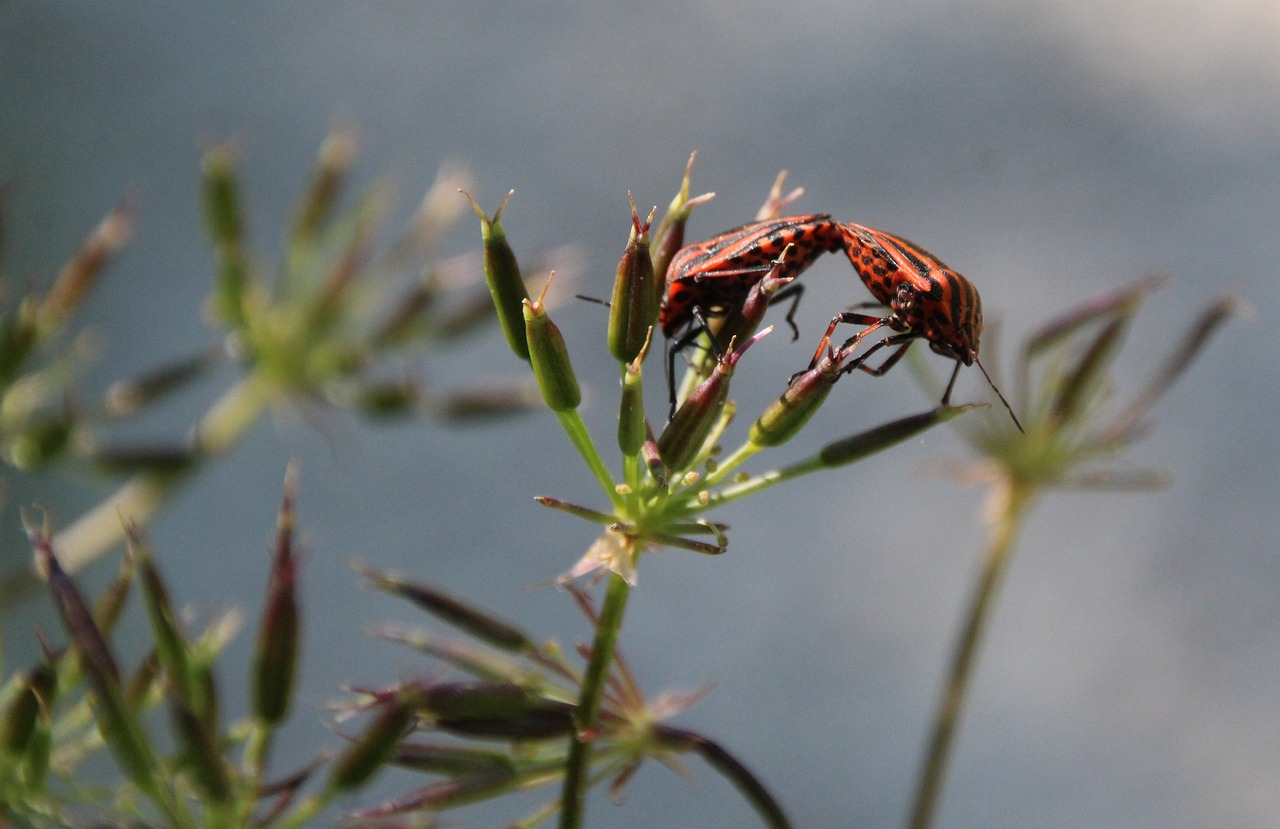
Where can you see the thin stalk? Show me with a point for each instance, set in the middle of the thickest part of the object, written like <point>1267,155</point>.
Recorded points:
<point>951,704</point>
<point>588,713</point>
<point>138,499</point>
<point>577,432</point>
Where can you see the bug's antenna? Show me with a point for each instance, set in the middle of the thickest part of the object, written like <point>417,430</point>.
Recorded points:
<point>1001,396</point>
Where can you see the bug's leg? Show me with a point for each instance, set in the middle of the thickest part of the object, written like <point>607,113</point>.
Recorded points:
<point>847,317</point>
<point>792,292</point>
<point>902,341</point>
<point>946,395</point>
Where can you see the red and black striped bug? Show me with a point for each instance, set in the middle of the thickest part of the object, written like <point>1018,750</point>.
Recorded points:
<point>926,300</point>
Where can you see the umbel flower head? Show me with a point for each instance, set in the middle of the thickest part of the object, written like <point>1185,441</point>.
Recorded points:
<point>1075,434</point>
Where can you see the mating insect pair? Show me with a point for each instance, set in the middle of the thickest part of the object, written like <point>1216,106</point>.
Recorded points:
<point>925,299</point>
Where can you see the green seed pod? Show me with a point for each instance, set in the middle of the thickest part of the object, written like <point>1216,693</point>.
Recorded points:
<point>502,275</point>
<point>790,412</point>
<point>856,447</point>
<point>550,359</point>
<point>632,428</point>
<point>475,700</point>
<point>634,307</point>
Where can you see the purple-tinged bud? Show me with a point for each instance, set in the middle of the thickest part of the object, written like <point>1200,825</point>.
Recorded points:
<point>682,440</point>
<point>776,202</point>
<point>485,627</point>
<point>116,722</point>
<point>275,660</point>
<point>803,397</point>
<point>653,457</point>
<point>550,358</point>
<point>632,426</point>
<point>502,275</point>
<point>856,447</point>
<point>1080,386</point>
<point>741,321</point>
<point>669,237</point>
<point>634,307</point>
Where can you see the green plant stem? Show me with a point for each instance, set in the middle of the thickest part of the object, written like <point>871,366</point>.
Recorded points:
<point>947,716</point>
<point>581,438</point>
<point>593,684</point>
<point>85,540</point>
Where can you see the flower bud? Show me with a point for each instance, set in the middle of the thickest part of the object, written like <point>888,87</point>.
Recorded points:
<point>445,794</point>
<point>502,275</point>
<point>479,699</point>
<point>447,759</point>
<point>550,359</point>
<point>634,307</point>
<point>682,440</point>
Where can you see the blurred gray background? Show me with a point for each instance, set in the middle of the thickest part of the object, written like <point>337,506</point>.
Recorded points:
<point>1048,150</point>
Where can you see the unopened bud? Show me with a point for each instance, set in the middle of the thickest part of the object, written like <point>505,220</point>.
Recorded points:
<point>502,275</point>
<point>682,440</point>
<point>550,359</point>
<point>275,661</point>
<point>22,716</point>
<point>669,237</point>
<point>634,307</point>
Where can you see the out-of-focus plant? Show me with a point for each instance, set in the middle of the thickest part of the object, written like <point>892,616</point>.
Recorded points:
<point>328,325</point>
<point>205,771</point>
<point>1075,440</point>
<point>524,715</point>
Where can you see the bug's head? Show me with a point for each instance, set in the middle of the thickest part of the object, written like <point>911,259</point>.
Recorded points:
<point>951,317</point>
